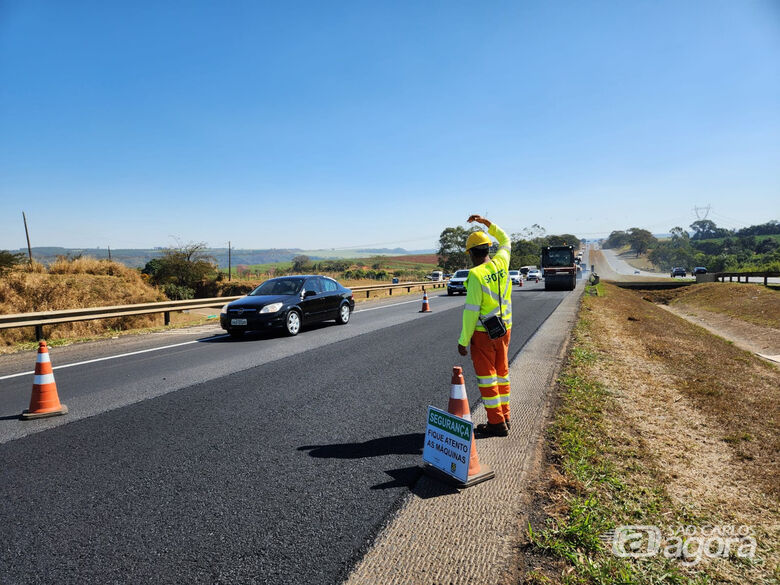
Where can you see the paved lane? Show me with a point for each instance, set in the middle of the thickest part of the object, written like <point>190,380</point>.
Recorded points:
<point>278,473</point>
<point>93,388</point>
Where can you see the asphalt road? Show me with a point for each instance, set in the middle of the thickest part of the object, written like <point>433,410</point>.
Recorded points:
<point>277,464</point>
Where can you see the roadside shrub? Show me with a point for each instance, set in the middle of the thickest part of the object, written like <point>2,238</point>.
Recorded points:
<point>234,288</point>
<point>177,292</point>
<point>10,259</point>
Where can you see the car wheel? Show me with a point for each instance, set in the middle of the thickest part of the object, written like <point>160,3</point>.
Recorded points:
<point>449,293</point>
<point>343,317</point>
<point>293,323</point>
<point>236,333</point>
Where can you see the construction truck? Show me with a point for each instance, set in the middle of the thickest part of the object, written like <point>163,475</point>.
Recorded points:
<point>558,268</point>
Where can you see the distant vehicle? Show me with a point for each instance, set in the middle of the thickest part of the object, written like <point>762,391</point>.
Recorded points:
<point>457,283</point>
<point>558,268</point>
<point>516,277</point>
<point>636,272</point>
<point>436,276</point>
<point>524,269</point>
<point>678,271</point>
<point>288,302</point>
<point>533,274</point>
<point>699,270</point>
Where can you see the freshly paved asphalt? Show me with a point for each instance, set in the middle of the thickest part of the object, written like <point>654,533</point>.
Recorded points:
<point>279,473</point>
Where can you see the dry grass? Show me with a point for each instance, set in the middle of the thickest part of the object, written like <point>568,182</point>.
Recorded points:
<point>753,303</point>
<point>642,263</point>
<point>737,392</point>
<point>664,424</point>
<point>80,283</point>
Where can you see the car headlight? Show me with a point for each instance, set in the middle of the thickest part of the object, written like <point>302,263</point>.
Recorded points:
<point>223,310</point>
<point>272,308</point>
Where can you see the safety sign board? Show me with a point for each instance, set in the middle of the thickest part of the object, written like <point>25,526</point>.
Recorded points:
<point>448,443</point>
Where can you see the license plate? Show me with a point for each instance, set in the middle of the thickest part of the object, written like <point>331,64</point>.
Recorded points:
<point>238,321</point>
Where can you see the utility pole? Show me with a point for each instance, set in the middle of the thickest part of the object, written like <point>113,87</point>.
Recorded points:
<point>109,253</point>
<point>27,233</point>
<point>230,263</point>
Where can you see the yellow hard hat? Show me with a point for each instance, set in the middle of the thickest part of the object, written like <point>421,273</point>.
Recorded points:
<point>477,239</point>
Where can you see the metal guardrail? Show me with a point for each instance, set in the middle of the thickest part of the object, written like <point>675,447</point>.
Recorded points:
<point>39,319</point>
<point>721,276</point>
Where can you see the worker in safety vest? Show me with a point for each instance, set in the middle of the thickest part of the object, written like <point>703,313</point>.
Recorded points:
<point>488,294</point>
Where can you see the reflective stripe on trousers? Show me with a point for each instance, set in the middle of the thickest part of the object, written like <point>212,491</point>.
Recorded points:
<point>491,364</point>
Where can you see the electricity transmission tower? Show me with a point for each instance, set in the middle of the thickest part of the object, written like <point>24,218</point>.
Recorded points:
<point>702,212</point>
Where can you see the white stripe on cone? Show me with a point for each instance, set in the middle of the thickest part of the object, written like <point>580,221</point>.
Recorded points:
<point>42,379</point>
<point>458,392</point>
<point>43,358</point>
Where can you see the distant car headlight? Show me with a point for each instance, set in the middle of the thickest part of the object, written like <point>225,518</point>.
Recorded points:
<point>223,310</point>
<point>272,308</point>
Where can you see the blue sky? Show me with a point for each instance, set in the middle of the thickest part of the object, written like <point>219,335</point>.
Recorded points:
<point>350,124</point>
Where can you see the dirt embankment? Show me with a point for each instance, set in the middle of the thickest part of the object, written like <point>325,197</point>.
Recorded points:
<point>746,314</point>
<point>74,284</point>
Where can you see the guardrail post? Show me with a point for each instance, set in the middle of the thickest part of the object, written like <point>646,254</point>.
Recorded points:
<point>391,292</point>
<point>167,317</point>
<point>38,332</point>
<point>766,281</point>
<point>731,278</point>
<point>368,292</point>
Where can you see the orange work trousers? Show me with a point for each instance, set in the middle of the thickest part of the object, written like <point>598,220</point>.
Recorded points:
<point>491,364</point>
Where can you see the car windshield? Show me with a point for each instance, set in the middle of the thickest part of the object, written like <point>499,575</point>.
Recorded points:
<point>281,286</point>
<point>461,274</point>
<point>514,272</point>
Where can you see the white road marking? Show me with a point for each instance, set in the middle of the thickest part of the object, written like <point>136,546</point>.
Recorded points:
<point>387,306</point>
<point>112,357</point>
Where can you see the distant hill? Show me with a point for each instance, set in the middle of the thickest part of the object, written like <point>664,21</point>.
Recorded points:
<point>137,258</point>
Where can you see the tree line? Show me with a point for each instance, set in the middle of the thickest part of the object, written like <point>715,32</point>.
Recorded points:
<point>526,246</point>
<point>718,249</point>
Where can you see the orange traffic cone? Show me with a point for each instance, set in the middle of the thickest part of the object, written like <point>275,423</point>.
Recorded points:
<point>426,308</point>
<point>459,406</point>
<point>521,282</point>
<point>44,400</point>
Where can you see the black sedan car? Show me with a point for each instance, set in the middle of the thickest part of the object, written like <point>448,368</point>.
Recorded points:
<point>288,302</point>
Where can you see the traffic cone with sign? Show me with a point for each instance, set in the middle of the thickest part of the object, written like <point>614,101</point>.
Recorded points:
<point>426,308</point>
<point>459,406</point>
<point>44,400</point>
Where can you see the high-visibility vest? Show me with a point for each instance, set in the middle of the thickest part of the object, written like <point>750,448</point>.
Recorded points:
<point>482,289</point>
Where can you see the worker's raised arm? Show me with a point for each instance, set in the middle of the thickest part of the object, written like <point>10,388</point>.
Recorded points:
<point>504,244</point>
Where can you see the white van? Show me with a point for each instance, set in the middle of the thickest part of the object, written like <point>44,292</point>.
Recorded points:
<point>524,269</point>
<point>436,276</point>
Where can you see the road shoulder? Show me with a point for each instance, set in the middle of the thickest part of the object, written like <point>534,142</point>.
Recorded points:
<point>440,535</point>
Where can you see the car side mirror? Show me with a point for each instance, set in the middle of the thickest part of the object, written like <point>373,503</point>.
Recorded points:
<point>309,293</point>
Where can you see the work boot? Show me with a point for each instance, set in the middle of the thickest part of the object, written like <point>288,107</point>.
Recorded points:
<point>492,430</point>
<point>508,425</point>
